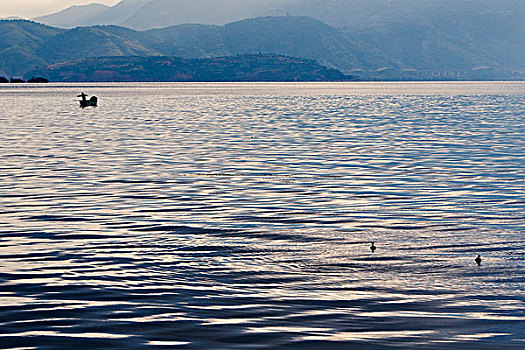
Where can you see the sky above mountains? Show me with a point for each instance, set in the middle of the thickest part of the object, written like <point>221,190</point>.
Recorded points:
<point>33,8</point>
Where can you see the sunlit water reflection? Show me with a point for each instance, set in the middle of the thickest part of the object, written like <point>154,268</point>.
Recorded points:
<point>241,215</point>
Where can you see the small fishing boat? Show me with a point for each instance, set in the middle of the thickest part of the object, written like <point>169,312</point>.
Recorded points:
<point>92,102</point>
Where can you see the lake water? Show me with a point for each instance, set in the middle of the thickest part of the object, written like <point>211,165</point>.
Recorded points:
<point>240,216</point>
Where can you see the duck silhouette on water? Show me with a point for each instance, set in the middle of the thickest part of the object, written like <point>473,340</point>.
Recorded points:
<point>373,247</point>
<point>92,102</point>
<point>478,260</point>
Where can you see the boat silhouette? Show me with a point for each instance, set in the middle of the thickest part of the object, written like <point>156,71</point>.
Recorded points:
<point>92,102</point>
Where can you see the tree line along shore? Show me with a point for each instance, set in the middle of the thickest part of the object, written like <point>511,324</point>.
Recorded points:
<point>4,80</point>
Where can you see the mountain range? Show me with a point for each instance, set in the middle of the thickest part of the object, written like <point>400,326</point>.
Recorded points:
<point>390,51</point>
<point>147,14</point>
<point>374,39</point>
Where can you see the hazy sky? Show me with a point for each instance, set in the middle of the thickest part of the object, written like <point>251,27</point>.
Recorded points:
<point>32,8</point>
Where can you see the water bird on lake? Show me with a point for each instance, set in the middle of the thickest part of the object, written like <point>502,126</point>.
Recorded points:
<point>92,102</point>
<point>478,260</point>
<point>373,247</point>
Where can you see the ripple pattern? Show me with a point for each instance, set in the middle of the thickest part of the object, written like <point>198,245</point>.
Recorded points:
<point>234,216</point>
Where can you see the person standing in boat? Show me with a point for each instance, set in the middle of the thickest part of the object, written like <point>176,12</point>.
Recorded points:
<point>83,96</point>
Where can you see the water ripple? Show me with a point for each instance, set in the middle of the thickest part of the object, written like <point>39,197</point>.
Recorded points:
<point>241,215</point>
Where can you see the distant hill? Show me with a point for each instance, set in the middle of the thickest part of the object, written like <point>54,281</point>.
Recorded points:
<point>163,13</point>
<point>75,16</point>
<point>19,41</point>
<point>85,42</point>
<point>391,35</point>
<point>303,37</point>
<point>148,14</point>
<point>382,51</point>
<point>93,14</point>
<point>290,36</point>
<point>164,69</point>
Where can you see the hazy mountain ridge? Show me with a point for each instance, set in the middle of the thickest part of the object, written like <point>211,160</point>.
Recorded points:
<point>93,14</point>
<point>97,41</point>
<point>148,14</point>
<point>390,51</point>
<point>303,37</point>
<point>290,36</point>
<point>453,36</point>
<point>74,16</point>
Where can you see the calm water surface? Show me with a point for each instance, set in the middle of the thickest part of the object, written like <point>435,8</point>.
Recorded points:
<point>238,216</point>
